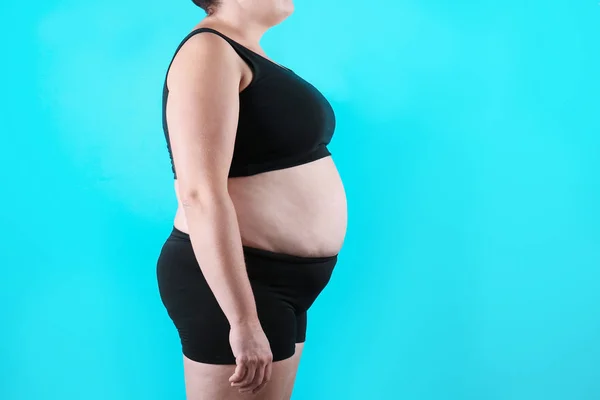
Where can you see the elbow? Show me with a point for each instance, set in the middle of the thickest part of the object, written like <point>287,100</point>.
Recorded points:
<point>202,197</point>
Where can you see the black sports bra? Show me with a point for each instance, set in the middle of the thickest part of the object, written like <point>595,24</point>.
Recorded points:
<point>283,120</point>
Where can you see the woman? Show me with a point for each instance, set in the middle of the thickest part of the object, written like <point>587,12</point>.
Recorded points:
<point>261,208</point>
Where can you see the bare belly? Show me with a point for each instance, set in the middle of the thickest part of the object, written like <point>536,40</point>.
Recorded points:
<point>300,210</point>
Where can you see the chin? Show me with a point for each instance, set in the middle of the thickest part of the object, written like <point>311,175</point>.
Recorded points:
<point>285,8</point>
<point>279,18</point>
<point>277,11</point>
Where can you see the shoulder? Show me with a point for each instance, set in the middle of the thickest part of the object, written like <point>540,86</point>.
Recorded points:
<point>203,52</point>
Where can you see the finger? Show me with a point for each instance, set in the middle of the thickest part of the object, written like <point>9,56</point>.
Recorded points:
<point>265,380</point>
<point>249,375</point>
<point>268,371</point>
<point>258,378</point>
<point>238,375</point>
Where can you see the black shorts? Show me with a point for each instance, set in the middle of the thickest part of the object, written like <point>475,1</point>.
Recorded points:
<point>284,288</point>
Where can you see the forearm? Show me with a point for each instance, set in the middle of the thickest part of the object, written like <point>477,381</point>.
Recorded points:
<point>215,237</point>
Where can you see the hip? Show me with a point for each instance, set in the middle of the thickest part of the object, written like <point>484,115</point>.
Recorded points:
<point>294,280</point>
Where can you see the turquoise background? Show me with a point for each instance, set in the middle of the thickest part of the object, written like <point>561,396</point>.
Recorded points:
<point>468,140</point>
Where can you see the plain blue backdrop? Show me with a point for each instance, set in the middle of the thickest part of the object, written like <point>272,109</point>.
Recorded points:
<point>468,140</point>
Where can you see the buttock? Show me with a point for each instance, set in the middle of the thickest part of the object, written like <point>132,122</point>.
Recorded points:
<point>284,287</point>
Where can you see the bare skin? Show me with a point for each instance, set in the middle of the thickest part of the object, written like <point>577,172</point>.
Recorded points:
<point>300,210</point>
<point>204,381</point>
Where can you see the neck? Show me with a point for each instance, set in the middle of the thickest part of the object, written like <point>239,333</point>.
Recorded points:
<point>250,30</point>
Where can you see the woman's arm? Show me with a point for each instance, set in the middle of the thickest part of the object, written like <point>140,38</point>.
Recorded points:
<point>202,115</point>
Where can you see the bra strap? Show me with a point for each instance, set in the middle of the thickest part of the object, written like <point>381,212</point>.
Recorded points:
<point>246,55</point>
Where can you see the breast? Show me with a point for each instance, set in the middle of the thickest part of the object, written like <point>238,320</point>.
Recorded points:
<point>282,116</point>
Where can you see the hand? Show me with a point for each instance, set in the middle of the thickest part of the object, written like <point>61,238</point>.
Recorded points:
<point>253,357</point>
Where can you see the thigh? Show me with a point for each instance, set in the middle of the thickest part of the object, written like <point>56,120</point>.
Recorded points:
<point>202,326</point>
<point>210,382</point>
<point>291,380</point>
<point>301,324</point>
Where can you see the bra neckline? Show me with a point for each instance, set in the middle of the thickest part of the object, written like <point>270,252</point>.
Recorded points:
<point>241,45</point>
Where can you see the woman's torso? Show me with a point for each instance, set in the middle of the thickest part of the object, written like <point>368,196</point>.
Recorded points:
<point>298,210</point>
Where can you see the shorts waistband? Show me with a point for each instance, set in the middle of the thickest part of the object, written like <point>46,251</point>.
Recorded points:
<point>263,253</point>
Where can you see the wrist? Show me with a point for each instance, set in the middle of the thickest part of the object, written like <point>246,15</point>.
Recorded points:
<point>246,321</point>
